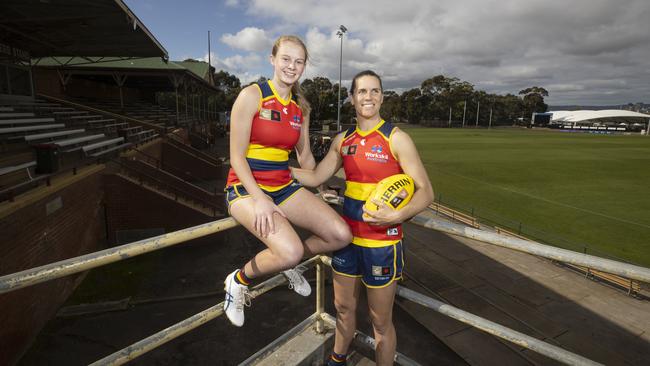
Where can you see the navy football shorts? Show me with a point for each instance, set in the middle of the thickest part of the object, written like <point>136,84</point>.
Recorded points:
<point>237,191</point>
<point>377,267</point>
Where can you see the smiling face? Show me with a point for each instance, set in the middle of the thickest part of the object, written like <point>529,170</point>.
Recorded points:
<point>288,61</point>
<point>367,97</point>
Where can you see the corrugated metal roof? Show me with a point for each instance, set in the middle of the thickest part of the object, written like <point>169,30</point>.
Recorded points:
<point>588,115</point>
<point>198,67</point>
<point>147,63</point>
<point>76,28</point>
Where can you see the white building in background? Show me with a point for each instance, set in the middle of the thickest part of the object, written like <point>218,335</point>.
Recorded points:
<point>605,120</point>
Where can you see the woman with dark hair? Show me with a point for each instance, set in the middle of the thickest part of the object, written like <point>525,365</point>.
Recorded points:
<point>268,120</point>
<point>372,150</point>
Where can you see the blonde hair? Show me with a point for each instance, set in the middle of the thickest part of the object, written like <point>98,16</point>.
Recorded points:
<point>295,88</point>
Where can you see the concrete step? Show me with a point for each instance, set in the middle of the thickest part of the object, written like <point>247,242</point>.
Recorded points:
<point>299,346</point>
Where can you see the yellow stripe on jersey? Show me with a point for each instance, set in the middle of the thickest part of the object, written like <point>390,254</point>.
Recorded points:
<point>284,102</point>
<point>272,188</point>
<point>359,191</point>
<point>366,133</point>
<point>261,152</point>
<point>267,98</point>
<point>372,243</point>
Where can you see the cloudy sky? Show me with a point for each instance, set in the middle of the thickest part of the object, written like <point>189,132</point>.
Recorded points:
<point>594,52</point>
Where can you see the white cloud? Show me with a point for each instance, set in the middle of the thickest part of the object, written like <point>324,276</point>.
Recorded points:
<point>232,3</point>
<point>248,39</point>
<point>499,45</point>
<point>238,65</point>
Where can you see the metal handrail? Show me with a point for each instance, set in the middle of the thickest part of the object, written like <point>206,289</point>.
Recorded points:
<point>369,342</point>
<point>178,192</point>
<point>528,246</point>
<point>167,167</point>
<point>510,335</point>
<point>147,344</point>
<point>161,130</point>
<point>78,264</point>
<point>172,180</point>
<point>85,262</point>
<point>488,326</point>
<point>74,265</point>
<point>178,142</point>
<point>531,247</point>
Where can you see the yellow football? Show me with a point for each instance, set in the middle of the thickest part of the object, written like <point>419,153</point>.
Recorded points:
<point>396,191</point>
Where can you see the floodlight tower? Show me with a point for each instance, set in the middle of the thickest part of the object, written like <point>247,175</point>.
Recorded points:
<point>342,30</point>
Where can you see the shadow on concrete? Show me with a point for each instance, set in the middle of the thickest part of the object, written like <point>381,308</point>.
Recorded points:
<point>185,280</point>
<point>525,293</point>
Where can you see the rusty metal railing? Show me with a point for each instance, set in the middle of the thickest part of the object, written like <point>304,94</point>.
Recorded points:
<point>85,262</point>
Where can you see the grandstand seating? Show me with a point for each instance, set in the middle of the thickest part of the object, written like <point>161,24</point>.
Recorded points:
<point>71,134</point>
<point>44,136</point>
<point>50,136</point>
<point>140,110</point>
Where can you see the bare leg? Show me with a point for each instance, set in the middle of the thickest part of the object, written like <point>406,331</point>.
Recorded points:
<point>284,247</point>
<point>346,298</point>
<point>380,302</point>
<point>307,211</point>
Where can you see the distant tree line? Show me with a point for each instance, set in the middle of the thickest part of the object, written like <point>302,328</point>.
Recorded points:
<point>438,100</point>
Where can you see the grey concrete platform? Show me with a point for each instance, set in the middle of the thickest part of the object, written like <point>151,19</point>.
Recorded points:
<point>523,292</point>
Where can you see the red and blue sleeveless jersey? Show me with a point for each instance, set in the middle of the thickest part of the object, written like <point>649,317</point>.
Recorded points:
<point>367,159</point>
<point>274,133</point>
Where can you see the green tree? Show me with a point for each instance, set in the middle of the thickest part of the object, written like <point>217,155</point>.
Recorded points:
<point>411,101</point>
<point>533,100</point>
<point>391,108</point>
<point>320,94</point>
<point>229,87</point>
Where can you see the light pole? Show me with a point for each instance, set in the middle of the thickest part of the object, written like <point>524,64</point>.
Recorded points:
<point>340,33</point>
<point>464,110</point>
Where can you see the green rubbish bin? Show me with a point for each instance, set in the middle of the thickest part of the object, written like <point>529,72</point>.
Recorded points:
<point>47,158</point>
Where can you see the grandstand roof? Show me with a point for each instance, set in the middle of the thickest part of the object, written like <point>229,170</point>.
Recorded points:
<point>141,67</point>
<point>147,63</point>
<point>198,67</point>
<point>97,28</point>
<point>609,115</point>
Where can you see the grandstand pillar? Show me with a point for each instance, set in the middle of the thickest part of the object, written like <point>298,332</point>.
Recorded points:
<point>193,103</point>
<point>120,79</point>
<point>64,78</point>
<point>176,90</point>
<point>185,84</point>
<point>176,82</point>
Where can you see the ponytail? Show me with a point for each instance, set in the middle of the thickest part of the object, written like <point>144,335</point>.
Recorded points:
<point>302,101</point>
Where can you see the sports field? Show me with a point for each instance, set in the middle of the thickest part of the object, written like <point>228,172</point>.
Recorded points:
<point>568,189</point>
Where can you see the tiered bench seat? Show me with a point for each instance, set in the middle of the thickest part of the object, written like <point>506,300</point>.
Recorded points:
<point>105,147</point>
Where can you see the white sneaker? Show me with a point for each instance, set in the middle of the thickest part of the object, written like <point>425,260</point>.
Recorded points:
<point>297,281</point>
<point>237,297</point>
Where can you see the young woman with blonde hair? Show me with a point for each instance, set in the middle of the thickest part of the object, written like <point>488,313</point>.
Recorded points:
<point>268,121</point>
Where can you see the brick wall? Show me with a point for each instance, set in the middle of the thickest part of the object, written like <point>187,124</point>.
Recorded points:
<point>47,82</point>
<point>198,168</point>
<point>66,224</point>
<point>131,207</point>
